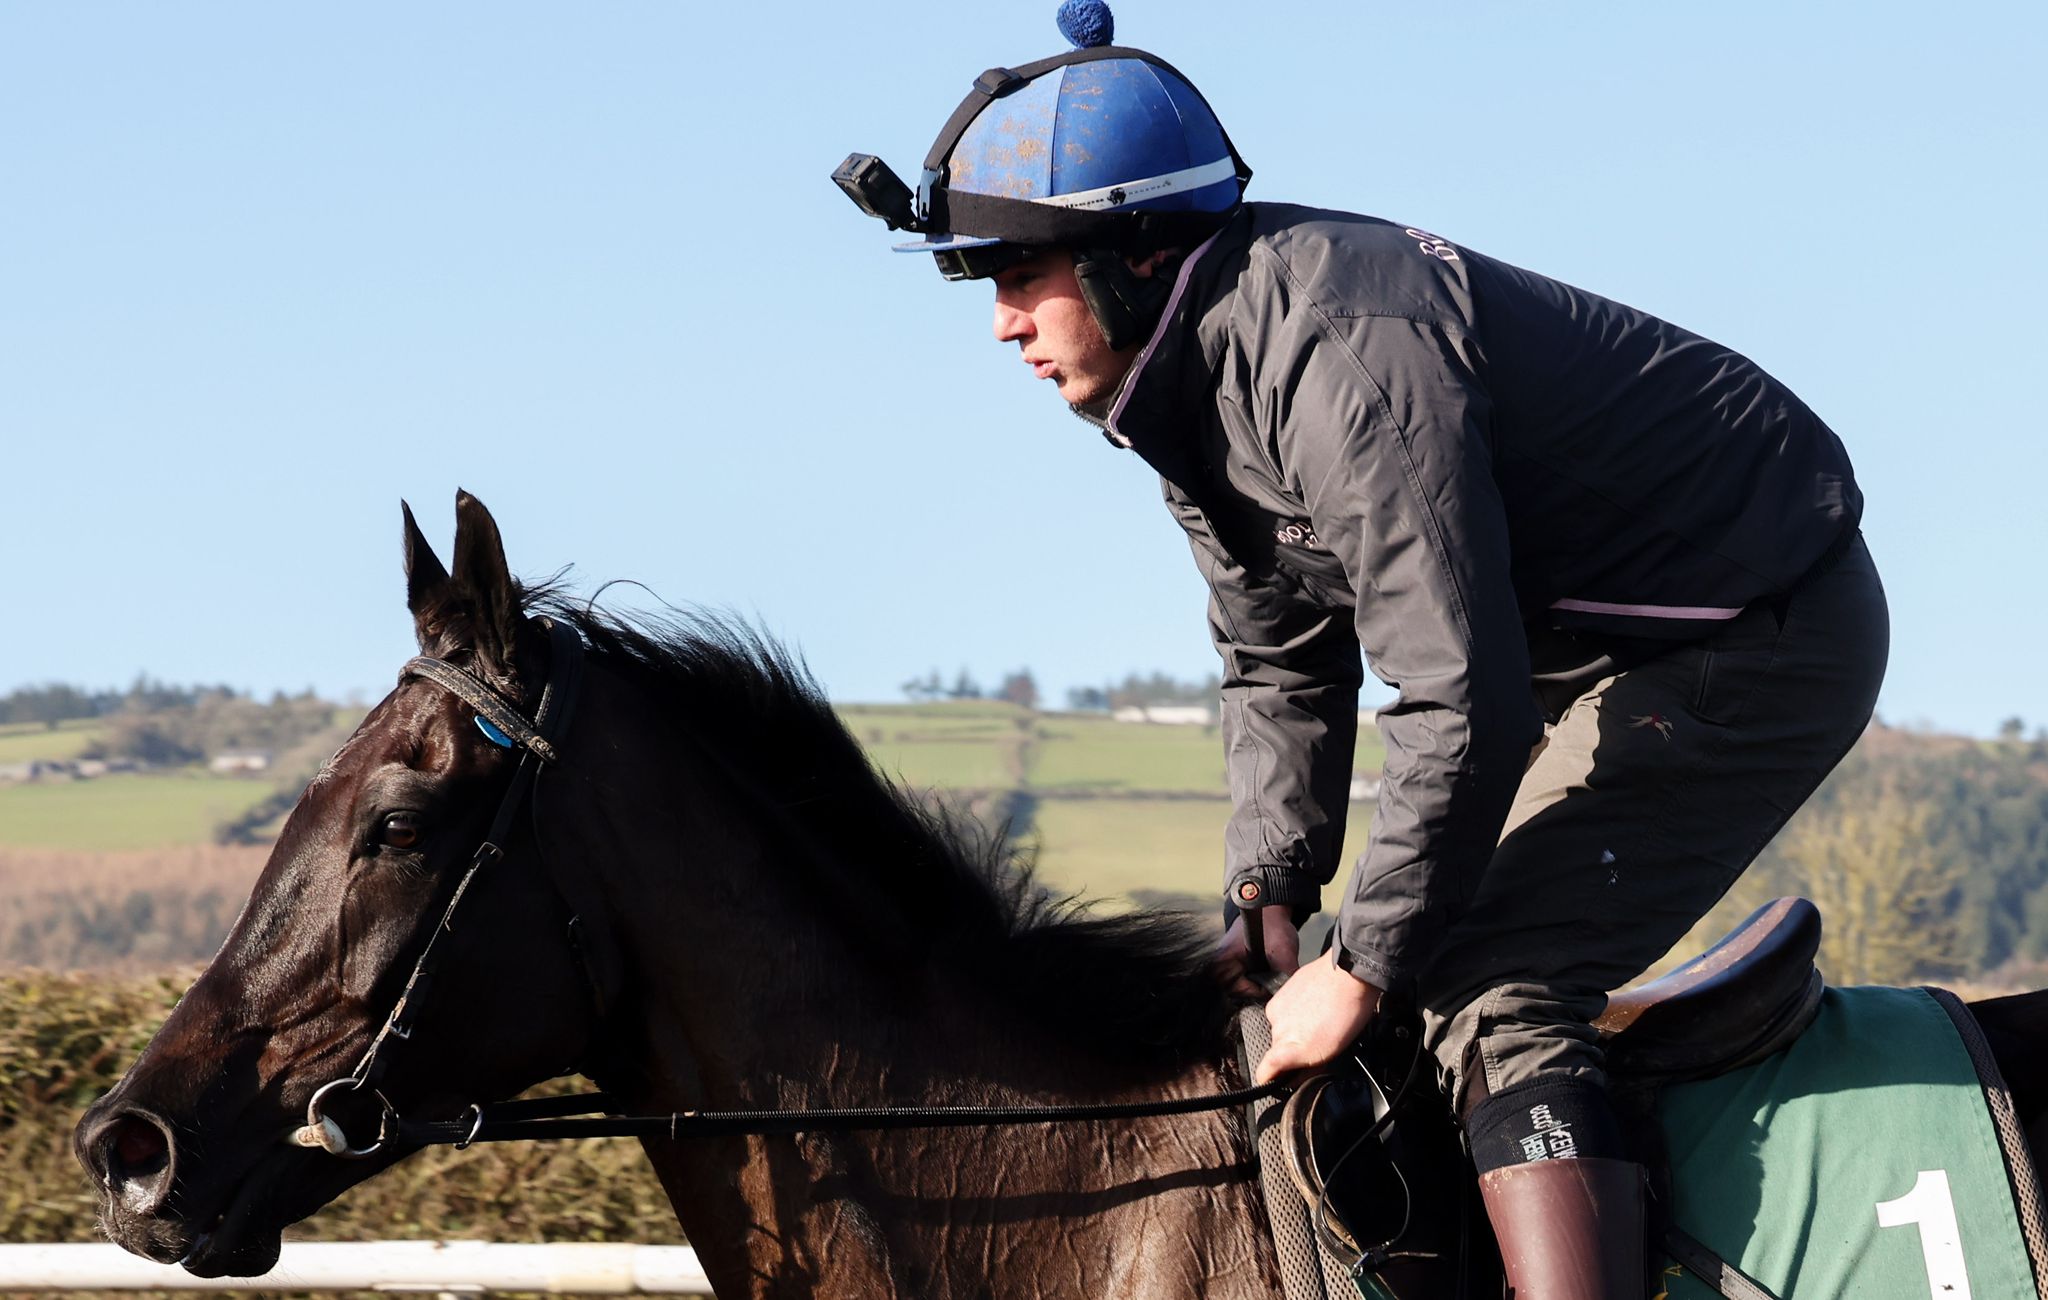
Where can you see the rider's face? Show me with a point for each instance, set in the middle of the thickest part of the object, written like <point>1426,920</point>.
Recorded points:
<point>1039,307</point>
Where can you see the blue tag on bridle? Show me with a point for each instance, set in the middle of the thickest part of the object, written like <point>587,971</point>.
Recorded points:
<point>492,734</point>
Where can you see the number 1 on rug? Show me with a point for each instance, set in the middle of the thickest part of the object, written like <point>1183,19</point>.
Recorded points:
<point>1931,1206</point>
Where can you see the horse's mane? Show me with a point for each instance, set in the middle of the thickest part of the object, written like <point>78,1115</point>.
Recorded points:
<point>1137,984</point>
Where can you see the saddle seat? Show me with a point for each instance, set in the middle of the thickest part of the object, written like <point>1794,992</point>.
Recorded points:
<point>1739,1001</point>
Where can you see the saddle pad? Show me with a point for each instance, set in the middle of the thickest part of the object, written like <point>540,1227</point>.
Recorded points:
<point>1861,1161</point>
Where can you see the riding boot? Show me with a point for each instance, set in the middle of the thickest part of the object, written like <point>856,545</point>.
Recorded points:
<point>1569,1229</point>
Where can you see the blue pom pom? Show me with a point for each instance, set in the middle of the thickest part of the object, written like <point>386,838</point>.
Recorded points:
<point>1087,23</point>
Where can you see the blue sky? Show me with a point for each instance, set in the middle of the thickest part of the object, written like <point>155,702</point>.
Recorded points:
<point>265,270</point>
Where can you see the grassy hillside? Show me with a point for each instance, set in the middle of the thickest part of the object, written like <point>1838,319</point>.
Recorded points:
<point>124,811</point>
<point>958,744</point>
<point>1083,752</point>
<point>976,744</point>
<point>1077,752</point>
<point>22,741</point>
<point>103,873</point>
<point>1146,850</point>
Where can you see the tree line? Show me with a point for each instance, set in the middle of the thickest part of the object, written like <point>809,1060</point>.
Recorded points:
<point>1136,690</point>
<point>165,725</point>
<point>210,723</point>
<point>1928,857</point>
<point>55,703</point>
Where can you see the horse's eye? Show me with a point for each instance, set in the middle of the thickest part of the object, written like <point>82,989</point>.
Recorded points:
<point>401,831</point>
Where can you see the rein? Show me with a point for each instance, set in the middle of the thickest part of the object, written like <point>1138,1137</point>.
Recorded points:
<point>564,1117</point>
<point>543,1117</point>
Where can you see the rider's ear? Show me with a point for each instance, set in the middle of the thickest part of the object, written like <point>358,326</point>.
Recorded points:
<point>486,584</point>
<point>426,583</point>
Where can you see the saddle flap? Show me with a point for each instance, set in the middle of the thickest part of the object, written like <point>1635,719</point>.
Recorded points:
<point>1373,1152</point>
<point>1322,1128</point>
<point>1746,997</point>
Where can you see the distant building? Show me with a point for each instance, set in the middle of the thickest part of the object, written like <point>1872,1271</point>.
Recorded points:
<point>1171,715</point>
<point>39,769</point>
<point>240,763</point>
<point>1364,788</point>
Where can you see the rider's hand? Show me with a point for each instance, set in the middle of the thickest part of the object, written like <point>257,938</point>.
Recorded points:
<point>1283,945</point>
<point>1317,1013</point>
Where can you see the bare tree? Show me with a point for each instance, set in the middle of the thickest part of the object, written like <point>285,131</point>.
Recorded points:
<point>1020,689</point>
<point>1888,899</point>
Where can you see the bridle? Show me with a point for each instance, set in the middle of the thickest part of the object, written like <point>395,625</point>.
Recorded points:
<point>539,741</point>
<point>502,725</point>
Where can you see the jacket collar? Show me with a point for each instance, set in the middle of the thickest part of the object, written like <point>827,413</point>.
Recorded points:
<point>1177,358</point>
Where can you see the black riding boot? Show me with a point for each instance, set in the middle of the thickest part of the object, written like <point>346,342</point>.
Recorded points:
<point>1569,1229</point>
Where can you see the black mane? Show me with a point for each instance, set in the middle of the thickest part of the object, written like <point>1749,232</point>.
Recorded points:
<point>1140,984</point>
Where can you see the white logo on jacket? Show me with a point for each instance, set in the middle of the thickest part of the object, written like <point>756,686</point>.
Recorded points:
<point>1433,245</point>
<point>1302,534</point>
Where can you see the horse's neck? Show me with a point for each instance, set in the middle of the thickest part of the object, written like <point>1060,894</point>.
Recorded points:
<point>1159,1207</point>
<point>1151,1208</point>
<point>738,1004</point>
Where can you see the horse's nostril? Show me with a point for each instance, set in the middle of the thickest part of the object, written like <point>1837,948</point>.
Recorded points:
<point>139,1146</point>
<point>135,1160</point>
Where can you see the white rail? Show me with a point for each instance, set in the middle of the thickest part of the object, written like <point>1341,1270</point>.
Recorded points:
<point>448,1267</point>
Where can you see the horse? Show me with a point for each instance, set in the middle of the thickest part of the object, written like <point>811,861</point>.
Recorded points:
<point>709,901</point>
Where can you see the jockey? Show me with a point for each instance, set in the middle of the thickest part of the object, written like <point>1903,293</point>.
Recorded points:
<point>1611,569</point>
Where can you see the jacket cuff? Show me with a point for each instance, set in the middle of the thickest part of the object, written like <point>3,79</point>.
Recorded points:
<point>1374,968</point>
<point>1250,888</point>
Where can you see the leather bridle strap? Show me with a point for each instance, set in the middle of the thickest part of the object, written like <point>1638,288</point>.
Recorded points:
<point>538,740</point>
<point>490,705</point>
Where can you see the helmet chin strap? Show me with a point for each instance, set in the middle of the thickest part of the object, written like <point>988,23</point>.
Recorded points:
<point>1125,304</point>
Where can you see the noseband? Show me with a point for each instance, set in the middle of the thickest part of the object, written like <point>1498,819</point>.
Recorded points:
<point>506,727</point>
<point>549,1117</point>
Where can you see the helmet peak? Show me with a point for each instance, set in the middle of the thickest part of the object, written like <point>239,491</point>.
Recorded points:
<point>1087,23</point>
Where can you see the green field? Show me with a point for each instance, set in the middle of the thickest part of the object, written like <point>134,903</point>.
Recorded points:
<point>1109,845</point>
<point>1077,752</point>
<point>982,745</point>
<point>126,811</point>
<point>965,744</point>
<point>22,741</point>
<point>1083,753</point>
<point>1111,849</point>
<point>928,719</point>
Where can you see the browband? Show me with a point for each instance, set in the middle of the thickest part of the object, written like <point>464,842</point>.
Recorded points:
<point>557,698</point>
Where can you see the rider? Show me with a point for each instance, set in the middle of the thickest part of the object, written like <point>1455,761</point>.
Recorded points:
<point>1612,569</point>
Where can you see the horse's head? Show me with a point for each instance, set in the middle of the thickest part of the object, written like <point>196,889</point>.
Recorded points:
<point>192,1149</point>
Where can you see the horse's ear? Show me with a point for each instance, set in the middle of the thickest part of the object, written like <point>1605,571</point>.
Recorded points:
<point>486,583</point>
<point>426,582</point>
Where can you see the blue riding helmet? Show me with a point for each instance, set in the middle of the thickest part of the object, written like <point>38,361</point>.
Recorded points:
<point>1100,147</point>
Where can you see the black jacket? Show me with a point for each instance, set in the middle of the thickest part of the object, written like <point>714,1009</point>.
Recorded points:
<point>1378,440</point>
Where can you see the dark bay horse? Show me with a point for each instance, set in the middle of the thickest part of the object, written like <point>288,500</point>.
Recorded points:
<point>762,923</point>
<point>710,902</point>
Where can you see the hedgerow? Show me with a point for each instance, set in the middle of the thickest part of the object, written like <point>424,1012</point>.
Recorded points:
<point>65,1040</point>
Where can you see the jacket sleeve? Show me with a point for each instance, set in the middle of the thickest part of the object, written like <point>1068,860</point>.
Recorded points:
<point>1290,725</point>
<point>1386,425</point>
